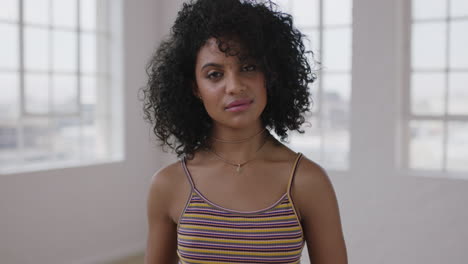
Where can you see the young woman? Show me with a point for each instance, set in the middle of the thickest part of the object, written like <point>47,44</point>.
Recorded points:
<point>230,72</point>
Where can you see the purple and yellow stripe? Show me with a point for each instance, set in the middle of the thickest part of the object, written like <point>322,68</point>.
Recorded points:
<point>208,234</point>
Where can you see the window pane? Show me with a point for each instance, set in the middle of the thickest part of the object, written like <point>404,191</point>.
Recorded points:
<point>9,10</point>
<point>310,142</point>
<point>36,49</point>
<point>36,140</point>
<point>51,60</point>
<point>457,153</point>
<point>95,117</point>
<point>96,139</point>
<point>37,93</point>
<point>103,130</point>
<point>459,44</point>
<point>313,90</point>
<point>312,42</point>
<point>337,49</point>
<point>458,8</point>
<point>88,53</point>
<point>337,12</point>
<point>65,93</point>
<point>103,97</point>
<point>306,13</point>
<point>9,52</point>
<point>65,51</point>
<point>94,53</point>
<point>66,139</point>
<point>424,9</point>
<point>337,90</point>
<point>335,101</point>
<point>335,113</point>
<point>88,90</point>
<point>427,93</point>
<point>8,142</point>
<point>36,11</point>
<point>88,100</point>
<point>426,145</point>
<point>458,93</point>
<point>88,14</point>
<point>9,100</point>
<point>89,146</point>
<point>336,148</point>
<point>428,45</point>
<point>284,5</point>
<point>64,13</point>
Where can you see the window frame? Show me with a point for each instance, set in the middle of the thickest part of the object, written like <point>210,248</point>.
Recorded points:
<point>406,115</point>
<point>317,108</point>
<point>108,111</point>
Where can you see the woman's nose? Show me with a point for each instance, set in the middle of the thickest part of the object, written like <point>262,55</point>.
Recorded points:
<point>234,84</point>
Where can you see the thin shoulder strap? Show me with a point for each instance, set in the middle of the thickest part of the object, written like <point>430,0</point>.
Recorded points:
<point>187,173</point>
<point>291,177</point>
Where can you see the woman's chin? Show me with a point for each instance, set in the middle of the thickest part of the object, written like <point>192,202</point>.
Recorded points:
<point>242,123</point>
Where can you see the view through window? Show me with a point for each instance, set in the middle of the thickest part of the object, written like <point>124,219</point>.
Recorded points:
<point>55,81</point>
<point>437,111</point>
<point>327,25</point>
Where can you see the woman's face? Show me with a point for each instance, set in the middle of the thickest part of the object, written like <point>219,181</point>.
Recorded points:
<point>233,92</point>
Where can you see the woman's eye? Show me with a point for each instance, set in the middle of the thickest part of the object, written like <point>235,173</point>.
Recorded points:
<point>214,75</point>
<point>250,67</point>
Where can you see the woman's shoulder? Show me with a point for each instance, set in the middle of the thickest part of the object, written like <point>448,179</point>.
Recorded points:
<point>306,169</point>
<point>312,185</point>
<point>167,181</point>
<point>167,174</point>
<point>310,174</point>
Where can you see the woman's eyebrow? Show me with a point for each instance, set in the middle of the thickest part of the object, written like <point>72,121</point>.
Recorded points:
<point>211,64</point>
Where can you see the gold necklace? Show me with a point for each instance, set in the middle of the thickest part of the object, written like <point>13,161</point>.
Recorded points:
<point>238,165</point>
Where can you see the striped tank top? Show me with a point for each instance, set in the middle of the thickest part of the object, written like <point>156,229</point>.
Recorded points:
<point>209,233</point>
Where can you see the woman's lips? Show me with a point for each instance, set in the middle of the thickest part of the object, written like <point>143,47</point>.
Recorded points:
<point>238,106</point>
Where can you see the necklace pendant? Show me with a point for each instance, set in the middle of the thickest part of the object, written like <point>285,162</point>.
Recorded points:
<point>238,168</point>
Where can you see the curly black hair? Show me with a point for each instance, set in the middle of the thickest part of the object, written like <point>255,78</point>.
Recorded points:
<point>179,119</point>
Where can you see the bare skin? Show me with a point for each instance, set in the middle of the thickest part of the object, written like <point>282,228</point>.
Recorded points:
<point>262,181</point>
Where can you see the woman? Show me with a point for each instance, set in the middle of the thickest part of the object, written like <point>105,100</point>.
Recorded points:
<point>230,72</point>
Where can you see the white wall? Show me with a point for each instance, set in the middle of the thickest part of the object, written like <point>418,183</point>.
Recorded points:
<point>390,216</point>
<point>85,214</point>
<point>95,213</point>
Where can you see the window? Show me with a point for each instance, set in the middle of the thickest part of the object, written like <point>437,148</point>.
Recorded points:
<point>55,103</point>
<point>328,27</point>
<point>436,112</point>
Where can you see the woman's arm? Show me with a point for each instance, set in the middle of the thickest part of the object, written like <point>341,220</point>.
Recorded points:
<point>162,234</point>
<point>318,207</point>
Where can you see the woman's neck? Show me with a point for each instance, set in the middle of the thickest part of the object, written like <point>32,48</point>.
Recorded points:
<point>239,145</point>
